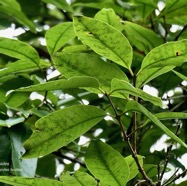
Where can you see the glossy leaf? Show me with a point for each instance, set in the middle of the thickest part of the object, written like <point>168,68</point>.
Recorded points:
<point>19,15</point>
<point>83,64</point>
<point>104,40</point>
<point>134,106</point>
<point>132,165</point>
<point>78,179</point>
<point>74,82</point>
<point>20,181</point>
<point>142,38</point>
<point>125,87</point>
<point>108,15</point>
<point>60,128</point>
<point>25,168</point>
<point>58,36</point>
<point>19,50</point>
<point>106,164</point>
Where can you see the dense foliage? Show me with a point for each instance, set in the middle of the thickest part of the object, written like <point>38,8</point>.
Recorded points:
<point>76,92</point>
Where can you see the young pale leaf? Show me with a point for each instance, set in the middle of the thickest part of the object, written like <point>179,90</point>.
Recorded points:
<point>180,75</point>
<point>125,87</point>
<point>104,40</point>
<point>74,82</point>
<point>22,66</point>
<point>19,15</point>
<point>19,50</point>
<point>78,179</point>
<point>60,128</point>
<point>84,64</point>
<point>144,39</point>
<point>108,15</point>
<point>21,181</point>
<point>133,166</point>
<point>59,35</point>
<point>146,75</point>
<point>168,54</point>
<point>106,164</point>
<point>134,106</point>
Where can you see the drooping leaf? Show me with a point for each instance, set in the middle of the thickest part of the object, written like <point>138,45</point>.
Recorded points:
<point>22,66</point>
<point>59,35</point>
<point>104,40</point>
<point>60,128</point>
<point>125,87</point>
<point>74,82</point>
<point>133,166</point>
<point>78,179</point>
<point>19,15</point>
<point>106,164</point>
<point>61,4</point>
<point>20,181</point>
<point>19,50</point>
<point>142,38</point>
<point>108,15</point>
<point>10,122</point>
<point>25,168</point>
<point>134,106</point>
<point>84,64</point>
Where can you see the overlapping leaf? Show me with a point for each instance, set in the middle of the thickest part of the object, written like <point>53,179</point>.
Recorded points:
<point>134,106</point>
<point>125,87</point>
<point>19,50</point>
<point>106,164</point>
<point>104,40</point>
<point>59,35</point>
<point>60,128</point>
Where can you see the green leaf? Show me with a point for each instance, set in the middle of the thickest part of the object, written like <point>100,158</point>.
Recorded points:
<point>22,66</point>
<point>19,50</point>
<point>74,82</point>
<point>134,106</point>
<point>20,181</point>
<point>58,36</point>
<point>83,64</point>
<point>60,128</point>
<point>146,75</point>
<point>25,168</point>
<point>12,121</point>
<point>125,87</point>
<point>168,54</point>
<point>106,164</point>
<point>184,183</point>
<point>104,40</point>
<point>108,15</point>
<point>133,166</point>
<point>61,4</point>
<point>11,3</point>
<point>20,16</point>
<point>180,75</point>
<point>145,40</point>
<point>77,179</point>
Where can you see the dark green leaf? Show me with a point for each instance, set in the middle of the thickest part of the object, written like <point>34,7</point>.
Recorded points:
<point>106,164</point>
<point>60,128</point>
